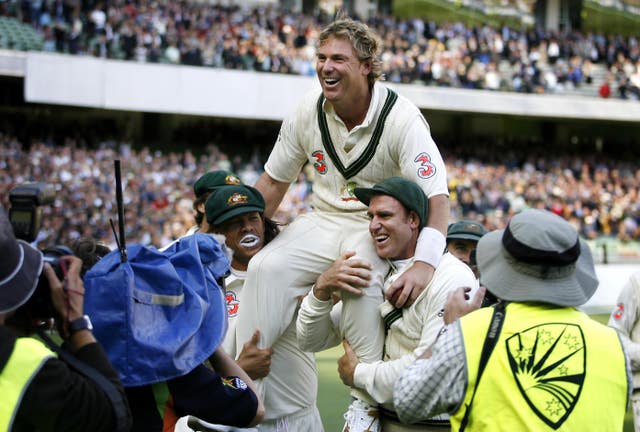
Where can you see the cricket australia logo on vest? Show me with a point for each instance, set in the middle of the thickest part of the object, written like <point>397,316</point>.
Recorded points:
<point>548,364</point>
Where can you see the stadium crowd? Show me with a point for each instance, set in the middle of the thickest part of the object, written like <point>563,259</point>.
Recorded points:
<point>600,197</point>
<point>274,40</point>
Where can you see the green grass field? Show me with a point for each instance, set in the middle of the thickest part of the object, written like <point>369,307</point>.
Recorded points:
<point>333,396</point>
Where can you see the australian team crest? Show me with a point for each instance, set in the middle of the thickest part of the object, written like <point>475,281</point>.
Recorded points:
<point>347,192</point>
<point>548,364</point>
<point>237,198</point>
<point>232,180</point>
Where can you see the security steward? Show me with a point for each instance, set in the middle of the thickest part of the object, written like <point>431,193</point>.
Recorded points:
<point>533,362</point>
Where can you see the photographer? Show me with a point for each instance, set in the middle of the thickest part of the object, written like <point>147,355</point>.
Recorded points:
<point>39,391</point>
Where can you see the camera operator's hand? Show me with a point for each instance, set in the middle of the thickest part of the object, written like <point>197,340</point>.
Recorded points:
<point>67,297</point>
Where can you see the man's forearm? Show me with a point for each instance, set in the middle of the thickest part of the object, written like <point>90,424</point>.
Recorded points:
<point>272,191</point>
<point>314,326</point>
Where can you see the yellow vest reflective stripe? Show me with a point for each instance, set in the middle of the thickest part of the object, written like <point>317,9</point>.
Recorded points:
<point>551,369</point>
<point>25,361</point>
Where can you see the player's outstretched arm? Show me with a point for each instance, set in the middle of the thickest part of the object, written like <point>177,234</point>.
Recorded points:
<point>272,191</point>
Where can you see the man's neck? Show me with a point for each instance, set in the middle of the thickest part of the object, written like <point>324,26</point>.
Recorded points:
<point>354,111</point>
<point>239,266</point>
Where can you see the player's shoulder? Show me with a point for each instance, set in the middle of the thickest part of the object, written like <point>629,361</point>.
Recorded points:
<point>452,267</point>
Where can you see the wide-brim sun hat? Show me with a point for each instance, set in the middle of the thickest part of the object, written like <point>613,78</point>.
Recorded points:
<point>539,257</point>
<point>20,268</point>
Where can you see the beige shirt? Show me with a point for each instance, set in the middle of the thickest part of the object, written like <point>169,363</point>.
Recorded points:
<point>234,283</point>
<point>405,149</point>
<point>626,320</point>
<point>408,337</point>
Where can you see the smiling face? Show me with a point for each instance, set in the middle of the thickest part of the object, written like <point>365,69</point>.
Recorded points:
<point>342,76</point>
<point>244,235</point>
<point>394,229</point>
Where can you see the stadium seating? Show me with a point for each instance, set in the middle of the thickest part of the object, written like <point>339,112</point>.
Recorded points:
<point>413,51</point>
<point>18,36</point>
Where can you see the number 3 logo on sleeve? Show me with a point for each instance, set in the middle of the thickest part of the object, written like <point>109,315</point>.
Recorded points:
<point>426,169</point>
<point>320,165</point>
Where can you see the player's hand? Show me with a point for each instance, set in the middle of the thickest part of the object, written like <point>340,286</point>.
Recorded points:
<point>457,303</point>
<point>346,274</point>
<point>406,289</point>
<point>256,362</point>
<point>347,364</point>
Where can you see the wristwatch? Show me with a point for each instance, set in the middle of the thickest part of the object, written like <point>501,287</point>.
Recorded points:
<point>82,323</point>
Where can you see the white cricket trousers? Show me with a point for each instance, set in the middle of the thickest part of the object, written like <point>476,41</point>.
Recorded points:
<point>286,269</point>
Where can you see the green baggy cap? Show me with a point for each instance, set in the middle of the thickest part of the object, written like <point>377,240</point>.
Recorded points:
<point>405,191</point>
<point>465,230</point>
<point>232,201</point>
<point>214,180</point>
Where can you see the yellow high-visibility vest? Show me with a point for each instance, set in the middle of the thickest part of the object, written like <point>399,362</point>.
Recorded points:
<point>25,361</point>
<point>552,368</point>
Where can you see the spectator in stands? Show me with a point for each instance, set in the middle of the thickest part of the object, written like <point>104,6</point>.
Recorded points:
<point>272,40</point>
<point>488,192</point>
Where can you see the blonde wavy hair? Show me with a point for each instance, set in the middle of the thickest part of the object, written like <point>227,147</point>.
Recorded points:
<point>363,40</point>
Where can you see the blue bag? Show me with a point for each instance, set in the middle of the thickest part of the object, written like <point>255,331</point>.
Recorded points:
<point>160,314</point>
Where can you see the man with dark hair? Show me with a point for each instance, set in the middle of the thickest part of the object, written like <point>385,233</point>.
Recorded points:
<point>462,240</point>
<point>532,361</point>
<point>203,188</point>
<point>236,212</point>
<point>40,391</point>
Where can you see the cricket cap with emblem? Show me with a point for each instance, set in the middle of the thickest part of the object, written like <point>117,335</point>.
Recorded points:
<point>465,230</point>
<point>405,191</point>
<point>214,180</point>
<point>538,257</point>
<point>232,201</point>
<point>20,268</point>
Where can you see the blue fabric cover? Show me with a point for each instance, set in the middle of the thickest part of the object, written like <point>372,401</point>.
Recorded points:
<point>160,314</point>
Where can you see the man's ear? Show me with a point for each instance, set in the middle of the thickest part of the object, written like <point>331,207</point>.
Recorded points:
<point>365,67</point>
<point>414,220</point>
